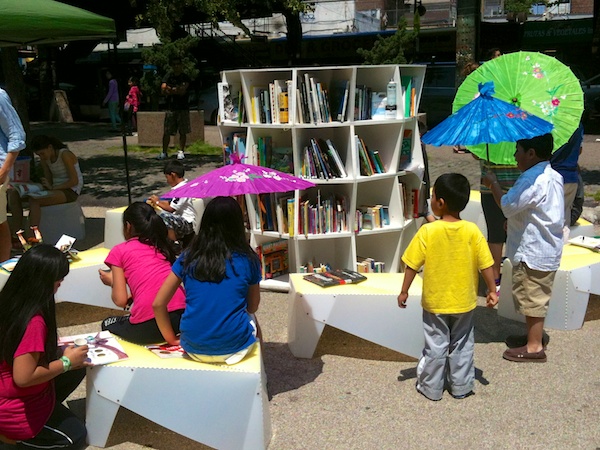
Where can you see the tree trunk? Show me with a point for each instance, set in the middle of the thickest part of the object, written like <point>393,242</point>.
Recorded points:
<point>15,84</point>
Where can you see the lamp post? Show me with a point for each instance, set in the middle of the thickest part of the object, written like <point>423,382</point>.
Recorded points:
<point>418,11</point>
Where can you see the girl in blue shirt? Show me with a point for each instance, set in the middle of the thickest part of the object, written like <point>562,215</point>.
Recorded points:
<point>221,275</point>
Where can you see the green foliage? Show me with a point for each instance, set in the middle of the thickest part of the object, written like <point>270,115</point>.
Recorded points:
<point>519,6</point>
<point>389,50</point>
<point>159,56</point>
<point>597,196</point>
<point>195,148</point>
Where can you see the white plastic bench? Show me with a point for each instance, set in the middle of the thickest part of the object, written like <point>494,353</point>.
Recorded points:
<point>225,407</point>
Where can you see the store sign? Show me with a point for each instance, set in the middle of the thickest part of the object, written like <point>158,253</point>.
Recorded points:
<point>558,31</point>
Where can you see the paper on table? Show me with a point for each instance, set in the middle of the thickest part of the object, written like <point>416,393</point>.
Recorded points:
<point>593,243</point>
<point>103,347</point>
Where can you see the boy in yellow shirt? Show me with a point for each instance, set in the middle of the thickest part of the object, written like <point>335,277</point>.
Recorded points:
<point>457,247</point>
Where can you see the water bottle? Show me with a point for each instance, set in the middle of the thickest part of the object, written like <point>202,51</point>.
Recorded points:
<point>391,99</point>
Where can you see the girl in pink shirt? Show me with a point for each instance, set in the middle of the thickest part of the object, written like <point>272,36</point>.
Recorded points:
<point>34,380</point>
<point>138,268</point>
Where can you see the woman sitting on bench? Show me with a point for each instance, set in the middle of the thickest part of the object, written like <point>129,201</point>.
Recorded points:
<point>62,180</point>
<point>141,263</point>
<point>221,275</point>
<point>35,378</point>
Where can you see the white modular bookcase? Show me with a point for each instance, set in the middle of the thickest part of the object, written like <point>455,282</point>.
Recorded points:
<point>339,249</point>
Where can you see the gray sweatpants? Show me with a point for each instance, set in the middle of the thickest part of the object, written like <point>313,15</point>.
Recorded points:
<point>447,359</point>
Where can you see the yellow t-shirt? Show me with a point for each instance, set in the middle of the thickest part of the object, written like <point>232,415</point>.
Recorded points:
<point>453,253</point>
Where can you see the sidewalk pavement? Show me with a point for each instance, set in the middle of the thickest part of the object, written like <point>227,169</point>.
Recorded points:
<point>353,394</point>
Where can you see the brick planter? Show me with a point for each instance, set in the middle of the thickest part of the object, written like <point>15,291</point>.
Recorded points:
<point>150,128</point>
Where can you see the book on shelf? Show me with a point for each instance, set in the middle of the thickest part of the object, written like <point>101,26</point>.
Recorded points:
<point>591,243</point>
<point>235,143</point>
<point>29,189</point>
<point>103,348</point>
<point>167,351</point>
<point>366,168</point>
<point>274,258</point>
<point>378,105</point>
<point>282,159</point>
<point>291,216</point>
<point>406,150</point>
<point>333,153</point>
<point>415,203</point>
<point>335,277</point>
<point>407,94</point>
<point>339,99</point>
<point>228,109</point>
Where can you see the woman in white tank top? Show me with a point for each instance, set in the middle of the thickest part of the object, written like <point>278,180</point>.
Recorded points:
<point>62,177</point>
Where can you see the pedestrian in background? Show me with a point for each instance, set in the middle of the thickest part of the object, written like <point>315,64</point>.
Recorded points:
<point>177,117</point>
<point>112,101</point>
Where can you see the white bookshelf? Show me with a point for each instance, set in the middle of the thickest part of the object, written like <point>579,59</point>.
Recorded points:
<point>339,249</point>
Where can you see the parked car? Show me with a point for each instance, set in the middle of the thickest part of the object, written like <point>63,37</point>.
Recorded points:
<point>207,100</point>
<point>591,100</point>
<point>438,92</point>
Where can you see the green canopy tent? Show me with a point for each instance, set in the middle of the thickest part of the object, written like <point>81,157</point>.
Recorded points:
<point>39,22</point>
<point>36,22</point>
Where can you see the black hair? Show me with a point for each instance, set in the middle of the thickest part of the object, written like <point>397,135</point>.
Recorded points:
<point>42,141</point>
<point>149,228</point>
<point>455,189</point>
<point>491,53</point>
<point>29,291</point>
<point>542,145</point>
<point>133,80</point>
<point>175,167</point>
<point>222,233</point>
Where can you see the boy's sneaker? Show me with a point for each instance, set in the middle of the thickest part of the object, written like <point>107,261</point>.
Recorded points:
<point>460,397</point>
<point>180,155</point>
<point>161,156</point>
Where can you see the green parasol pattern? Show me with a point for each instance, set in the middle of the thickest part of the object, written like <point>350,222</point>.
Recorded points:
<point>538,84</point>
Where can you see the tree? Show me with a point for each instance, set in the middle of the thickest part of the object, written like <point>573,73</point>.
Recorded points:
<point>389,50</point>
<point>160,57</point>
<point>167,16</point>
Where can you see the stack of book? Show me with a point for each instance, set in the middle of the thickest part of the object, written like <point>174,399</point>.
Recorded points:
<point>369,265</point>
<point>336,277</point>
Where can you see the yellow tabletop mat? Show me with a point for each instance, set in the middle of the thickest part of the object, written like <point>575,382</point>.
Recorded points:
<point>375,284</point>
<point>140,356</point>
<point>91,257</point>
<point>574,257</point>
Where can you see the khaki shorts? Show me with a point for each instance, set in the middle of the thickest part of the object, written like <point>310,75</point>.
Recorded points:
<point>532,290</point>
<point>3,215</point>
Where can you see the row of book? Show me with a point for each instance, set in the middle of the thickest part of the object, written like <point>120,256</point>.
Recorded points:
<point>410,201</point>
<point>314,103</point>
<point>371,217</point>
<point>267,154</point>
<point>321,160</point>
<point>369,265</point>
<point>231,105</point>
<point>328,214</point>
<point>270,104</point>
<point>235,143</point>
<point>277,212</point>
<point>273,258</point>
<point>370,161</point>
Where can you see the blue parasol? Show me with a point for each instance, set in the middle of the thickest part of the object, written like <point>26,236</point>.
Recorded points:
<point>486,120</point>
